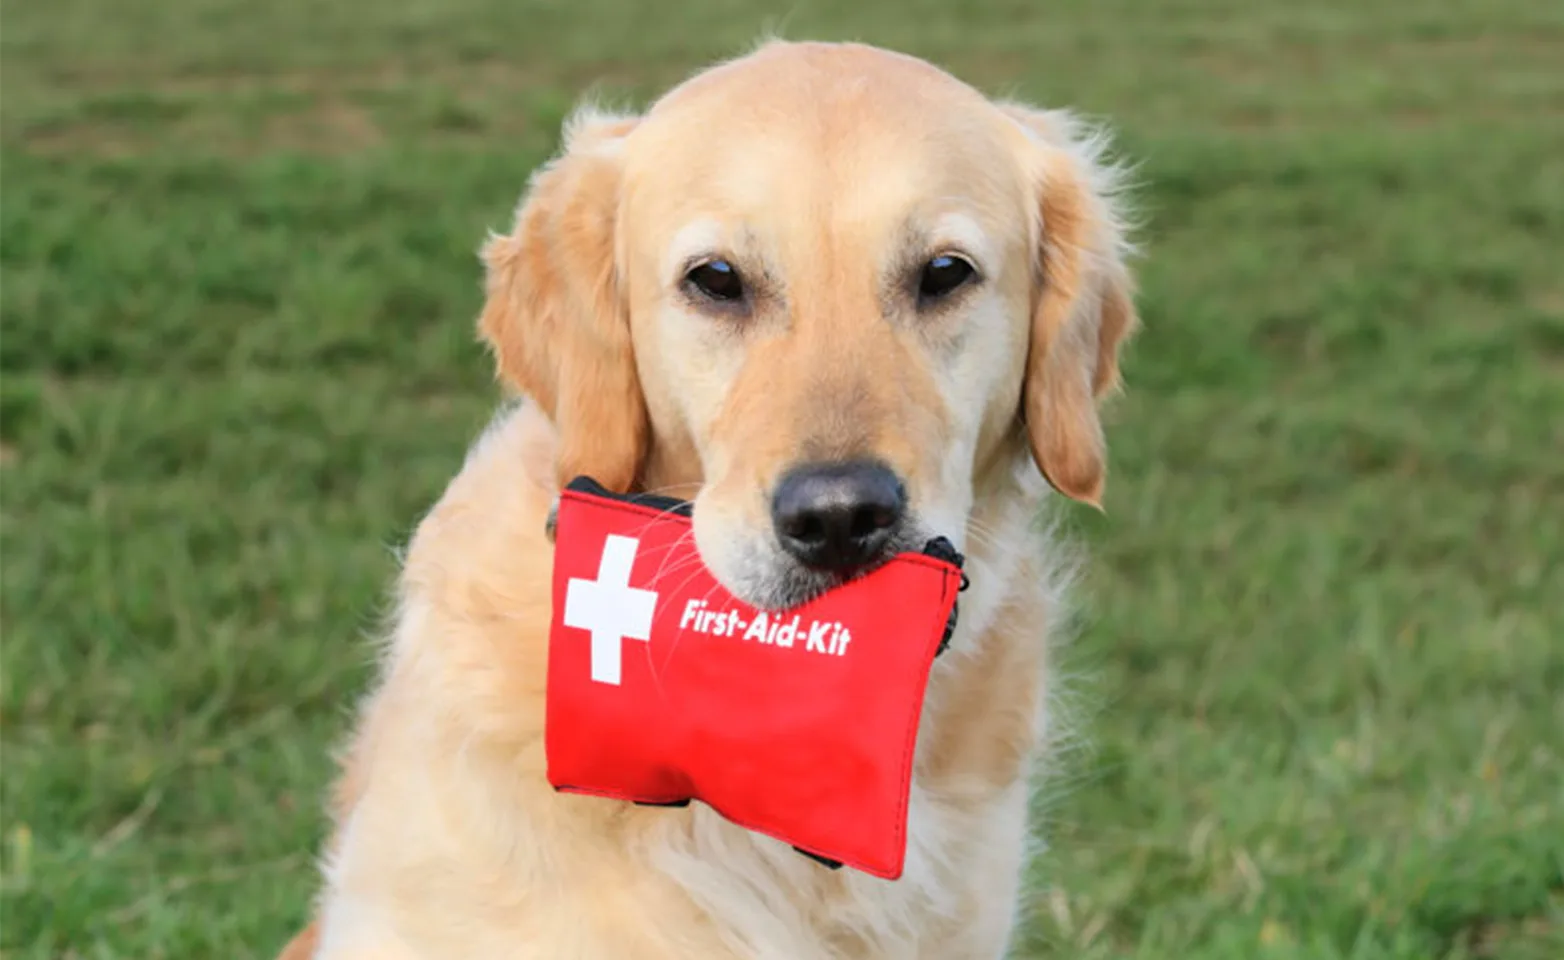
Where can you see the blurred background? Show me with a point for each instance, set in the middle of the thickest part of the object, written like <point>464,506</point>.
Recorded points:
<point>1319,688</point>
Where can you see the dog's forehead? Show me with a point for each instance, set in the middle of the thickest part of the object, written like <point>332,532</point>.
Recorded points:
<point>800,132</point>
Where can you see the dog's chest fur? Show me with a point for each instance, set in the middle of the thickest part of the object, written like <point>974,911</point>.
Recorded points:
<point>451,837</point>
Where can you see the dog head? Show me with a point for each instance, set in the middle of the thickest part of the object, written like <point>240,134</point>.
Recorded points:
<point>830,288</point>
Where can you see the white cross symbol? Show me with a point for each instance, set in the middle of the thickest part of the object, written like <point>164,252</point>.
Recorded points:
<point>610,608</point>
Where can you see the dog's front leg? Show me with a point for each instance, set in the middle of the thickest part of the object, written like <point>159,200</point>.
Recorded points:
<point>985,877</point>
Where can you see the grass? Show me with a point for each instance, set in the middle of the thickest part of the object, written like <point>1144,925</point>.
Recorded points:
<point>1321,683</point>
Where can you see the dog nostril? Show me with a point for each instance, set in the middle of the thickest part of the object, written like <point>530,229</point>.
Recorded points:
<point>866,521</point>
<point>806,526</point>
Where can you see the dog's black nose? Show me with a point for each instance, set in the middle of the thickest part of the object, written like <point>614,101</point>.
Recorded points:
<point>838,516</point>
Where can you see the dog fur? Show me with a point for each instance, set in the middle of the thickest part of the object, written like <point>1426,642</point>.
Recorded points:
<point>822,171</point>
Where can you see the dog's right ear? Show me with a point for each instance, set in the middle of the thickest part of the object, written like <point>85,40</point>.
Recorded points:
<point>554,314</point>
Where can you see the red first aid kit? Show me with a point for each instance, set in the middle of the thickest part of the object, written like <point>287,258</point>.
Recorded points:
<point>664,688</point>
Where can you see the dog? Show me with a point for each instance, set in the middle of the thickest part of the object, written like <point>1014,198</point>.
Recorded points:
<point>843,302</point>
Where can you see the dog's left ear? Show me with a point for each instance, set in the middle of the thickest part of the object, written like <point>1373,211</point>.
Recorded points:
<point>555,316</point>
<point>1084,307</point>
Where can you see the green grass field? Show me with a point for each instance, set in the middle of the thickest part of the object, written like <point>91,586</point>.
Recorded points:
<point>1320,687</point>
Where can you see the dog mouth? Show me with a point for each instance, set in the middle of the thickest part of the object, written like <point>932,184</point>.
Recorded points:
<point>765,573</point>
<point>774,580</point>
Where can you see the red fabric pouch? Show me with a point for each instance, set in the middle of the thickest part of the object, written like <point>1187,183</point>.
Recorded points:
<point>800,725</point>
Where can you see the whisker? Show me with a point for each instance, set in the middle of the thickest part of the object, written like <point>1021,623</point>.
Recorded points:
<point>662,568</point>
<point>668,490</point>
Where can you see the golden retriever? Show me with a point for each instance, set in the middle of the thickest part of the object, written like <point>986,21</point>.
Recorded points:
<point>821,273</point>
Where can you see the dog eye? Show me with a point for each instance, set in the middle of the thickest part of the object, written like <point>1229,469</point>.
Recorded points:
<point>717,279</point>
<point>942,275</point>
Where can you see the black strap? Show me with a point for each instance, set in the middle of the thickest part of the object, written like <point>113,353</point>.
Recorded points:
<point>674,505</point>
<point>942,549</point>
<point>826,862</point>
